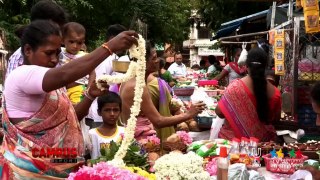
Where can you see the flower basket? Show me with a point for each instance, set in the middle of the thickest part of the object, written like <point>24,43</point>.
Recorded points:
<point>120,66</point>
<point>286,165</point>
<point>183,91</point>
<point>172,146</point>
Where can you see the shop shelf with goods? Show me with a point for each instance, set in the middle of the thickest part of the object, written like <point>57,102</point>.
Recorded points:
<point>302,64</point>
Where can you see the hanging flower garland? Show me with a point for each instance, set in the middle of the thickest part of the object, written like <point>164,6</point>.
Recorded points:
<point>138,70</point>
<point>131,72</point>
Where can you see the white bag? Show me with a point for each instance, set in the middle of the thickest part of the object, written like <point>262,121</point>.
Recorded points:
<point>200,95</point>
<point>215,127</point>
<point>243,56</point>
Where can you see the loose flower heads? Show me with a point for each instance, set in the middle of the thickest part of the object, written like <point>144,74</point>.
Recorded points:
<point>180,166</point>
<point>135,70</point>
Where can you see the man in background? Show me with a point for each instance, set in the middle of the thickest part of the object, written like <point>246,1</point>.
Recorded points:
<point>178,70</point>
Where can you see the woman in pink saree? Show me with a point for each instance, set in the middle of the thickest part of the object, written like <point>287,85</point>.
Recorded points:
<point>37,113</point>
<point>250,104</point>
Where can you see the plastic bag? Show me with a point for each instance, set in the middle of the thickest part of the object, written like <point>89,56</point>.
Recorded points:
<point>243,56</point>
<point>215,127</point>
<point>199,95</point>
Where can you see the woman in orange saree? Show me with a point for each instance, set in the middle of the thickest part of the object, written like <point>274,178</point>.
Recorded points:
<point>36,110</point>
<point>250,104</point>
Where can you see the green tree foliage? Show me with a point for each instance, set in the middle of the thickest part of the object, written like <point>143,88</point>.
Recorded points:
<point>216,12</point>
<point>167,20</point>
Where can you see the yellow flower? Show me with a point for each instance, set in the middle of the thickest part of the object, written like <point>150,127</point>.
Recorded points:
<point>142,172</point>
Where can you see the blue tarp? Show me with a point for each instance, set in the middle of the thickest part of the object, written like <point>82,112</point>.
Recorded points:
<point>229,27</point>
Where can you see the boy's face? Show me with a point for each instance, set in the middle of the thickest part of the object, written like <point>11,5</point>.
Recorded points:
<point>110,113</point>
<point>73,42</point>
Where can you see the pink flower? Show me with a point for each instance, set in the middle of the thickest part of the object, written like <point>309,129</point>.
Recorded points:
<point>184,137</point>
<point>103,171</point>
<point>154,139</point>
<point>212,168</point>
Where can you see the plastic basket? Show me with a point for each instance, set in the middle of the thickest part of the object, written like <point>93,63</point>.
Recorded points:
<point>286,165</point>
<point>183,91</point>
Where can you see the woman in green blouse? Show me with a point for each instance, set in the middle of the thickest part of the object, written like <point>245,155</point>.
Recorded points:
<point>164,74</point>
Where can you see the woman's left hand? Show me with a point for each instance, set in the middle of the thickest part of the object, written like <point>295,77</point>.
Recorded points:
<point>94,91</point>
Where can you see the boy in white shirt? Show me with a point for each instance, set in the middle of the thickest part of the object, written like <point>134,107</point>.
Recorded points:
<point>109,108</point>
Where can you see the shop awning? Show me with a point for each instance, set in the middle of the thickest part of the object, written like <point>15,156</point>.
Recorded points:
<point>229,27</point>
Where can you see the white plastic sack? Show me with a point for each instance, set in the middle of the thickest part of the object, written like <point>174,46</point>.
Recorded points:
<point>243,56</point>
<point>217,123</point>
<point>200,95</point>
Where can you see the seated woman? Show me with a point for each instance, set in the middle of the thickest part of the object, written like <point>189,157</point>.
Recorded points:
<point>250,104</point>
<point>164,74</point>
<point>38,114</point>
<point>149,118</point>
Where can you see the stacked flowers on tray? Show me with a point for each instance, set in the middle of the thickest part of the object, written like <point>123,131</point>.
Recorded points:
<point>176,166</point>
<point>104,171</point>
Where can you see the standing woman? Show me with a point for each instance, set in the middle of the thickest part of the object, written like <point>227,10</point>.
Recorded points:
<point>250,104</point>
<point>164,74</point>
<point>232,70</point>
<point>37,112</point>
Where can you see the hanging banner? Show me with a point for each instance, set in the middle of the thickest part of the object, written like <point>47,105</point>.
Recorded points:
<point>310,5</point>
<point>279,49</point>
<point>311,21</point>
<point>279,55</point>
<point>279,69</point>
<point>279,33</point>
<point>311,15</point>
<point>279,43</point>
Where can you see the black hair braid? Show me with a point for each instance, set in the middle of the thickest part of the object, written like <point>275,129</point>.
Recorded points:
<point>257,61</point>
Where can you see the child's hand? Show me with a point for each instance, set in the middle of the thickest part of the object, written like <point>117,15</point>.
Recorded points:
<point>94,92</point>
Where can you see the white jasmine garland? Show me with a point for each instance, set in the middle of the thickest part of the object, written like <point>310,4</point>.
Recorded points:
<point>131,72</point>
<point>180,166</point>
<point>135,69</point>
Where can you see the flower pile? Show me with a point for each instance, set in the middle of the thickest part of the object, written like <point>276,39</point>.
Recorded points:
<point>184,137</point>
<point>142,172</point>
<point>104,171</point>
<point>212,167</point>
<point>176,166</point>
<point>138,70</point>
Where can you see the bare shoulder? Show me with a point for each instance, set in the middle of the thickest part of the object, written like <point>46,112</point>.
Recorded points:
<point>128,85</point>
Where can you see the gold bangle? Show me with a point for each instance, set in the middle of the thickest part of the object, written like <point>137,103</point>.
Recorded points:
<point>104,45</point>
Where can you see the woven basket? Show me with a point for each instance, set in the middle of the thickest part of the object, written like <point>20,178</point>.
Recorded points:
<point>183,91</point>
<point>120,66</point>
<point>172,146</point>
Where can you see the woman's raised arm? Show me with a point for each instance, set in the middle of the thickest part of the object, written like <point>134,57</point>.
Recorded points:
<point>56,78</point>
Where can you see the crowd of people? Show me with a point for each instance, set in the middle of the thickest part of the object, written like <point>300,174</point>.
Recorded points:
<point>50,95</point>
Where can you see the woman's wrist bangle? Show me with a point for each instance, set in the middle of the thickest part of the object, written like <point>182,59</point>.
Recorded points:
<point>105,45</point>
<point>86,94</point>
